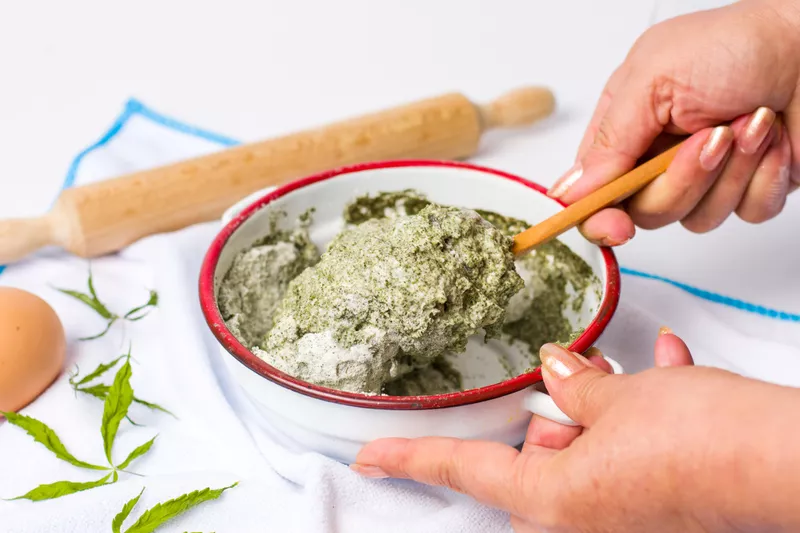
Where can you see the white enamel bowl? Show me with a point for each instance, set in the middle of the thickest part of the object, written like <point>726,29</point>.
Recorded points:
<point>335,423</point>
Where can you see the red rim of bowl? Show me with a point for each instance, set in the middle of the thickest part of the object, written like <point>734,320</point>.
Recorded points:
<point>208,303</point>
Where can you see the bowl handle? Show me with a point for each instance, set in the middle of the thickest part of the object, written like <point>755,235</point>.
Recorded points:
<point>542,404</point>
<point>239,206</point>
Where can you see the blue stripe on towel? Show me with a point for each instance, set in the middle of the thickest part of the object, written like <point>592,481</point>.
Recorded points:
<point>179,126</point>
<point>134,107</point>
<point>717,298</point>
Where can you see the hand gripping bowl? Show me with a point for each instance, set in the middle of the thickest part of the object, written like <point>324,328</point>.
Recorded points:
<point>336,423</point>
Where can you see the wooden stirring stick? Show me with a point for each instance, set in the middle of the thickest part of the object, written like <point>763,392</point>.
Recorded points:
<point>609,194</point>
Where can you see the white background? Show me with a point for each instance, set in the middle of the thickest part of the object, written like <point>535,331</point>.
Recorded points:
<point>251,70</point>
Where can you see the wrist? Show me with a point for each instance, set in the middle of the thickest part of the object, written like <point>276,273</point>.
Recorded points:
<point>755,476</point>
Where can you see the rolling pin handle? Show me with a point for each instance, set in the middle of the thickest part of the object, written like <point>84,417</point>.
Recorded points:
<point>20,237</point>
<point>518,107</point>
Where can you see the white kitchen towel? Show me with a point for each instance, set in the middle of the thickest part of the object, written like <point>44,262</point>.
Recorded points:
<point>218,439</point>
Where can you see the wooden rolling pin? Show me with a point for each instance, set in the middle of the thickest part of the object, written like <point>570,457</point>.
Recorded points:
<point>106,216</point>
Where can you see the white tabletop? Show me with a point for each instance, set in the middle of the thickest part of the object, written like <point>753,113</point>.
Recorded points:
<point>253,69</point>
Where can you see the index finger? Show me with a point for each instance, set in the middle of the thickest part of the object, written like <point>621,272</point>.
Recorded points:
<point>613,83</point>
<point>494,474</point>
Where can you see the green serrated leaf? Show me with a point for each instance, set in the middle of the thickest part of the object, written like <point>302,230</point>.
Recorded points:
<point>153,406</point>
<point>135,454</point>
<point>42,433</point>
<point>118,400</point>
<point>59,489</point>
<point>108,327</point>
<point>136,318</point>
<point>123,514</point>
<point>98,391</point>
<point>90,283</point>
<point>162,512</point>
<point>151,302</point>
<point>101,369</point>
<point>101,391</point>
<point>90,301</point>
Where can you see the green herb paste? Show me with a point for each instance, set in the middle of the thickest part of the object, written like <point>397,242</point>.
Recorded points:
<point>397,293</point>
<point>257,280</point>
<point>555,277</point>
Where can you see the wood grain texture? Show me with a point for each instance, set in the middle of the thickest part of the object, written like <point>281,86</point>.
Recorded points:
<point>106,216</point>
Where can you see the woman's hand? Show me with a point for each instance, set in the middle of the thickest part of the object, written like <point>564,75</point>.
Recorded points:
<point>739,64</point>
<point>674,448</point>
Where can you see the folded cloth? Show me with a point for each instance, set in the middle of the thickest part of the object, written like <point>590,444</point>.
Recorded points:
<point>218,438</point>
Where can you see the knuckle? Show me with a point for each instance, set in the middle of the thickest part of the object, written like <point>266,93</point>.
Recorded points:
<point>606,138</point>
<point>767,200</point>
<point>582,396</point>
<point>699,225</point>
<point>760,212</point>
<point>648,221</point>
<point>662,92</point>
<point>749,214</point>
<point>445,473</point>
<point>525,486</point>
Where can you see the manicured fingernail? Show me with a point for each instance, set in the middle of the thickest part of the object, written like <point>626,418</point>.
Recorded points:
<point>716,147</point>
<point>593,352</point>
<point>566,181</point>
<point>611,241</point>
<point>757,129</point>
<point>369,471</point>
<point>664,330</point>
<point>561,362</point>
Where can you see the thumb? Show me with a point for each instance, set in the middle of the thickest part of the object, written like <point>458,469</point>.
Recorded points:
<point>629,126</point>
<point>579,388</point>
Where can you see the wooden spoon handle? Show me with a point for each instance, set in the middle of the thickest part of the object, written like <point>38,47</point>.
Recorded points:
<point>609,194</point>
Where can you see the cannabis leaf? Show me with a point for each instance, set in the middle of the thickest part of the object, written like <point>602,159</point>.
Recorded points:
<point>60,488</point>
<point>100,308</point>
<point>43,434</point>
<point>152,302</point>
<point>153,406</point>
<point>136,453</point>
<point>101,369</point>
<point>123,514</point>
<point>100,390</point>
<point>162,512</point>
<point>118,400</point>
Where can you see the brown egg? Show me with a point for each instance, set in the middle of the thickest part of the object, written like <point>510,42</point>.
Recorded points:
<point>32,347</point>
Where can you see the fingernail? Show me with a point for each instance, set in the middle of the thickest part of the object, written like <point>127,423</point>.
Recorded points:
<point>561,362</point>
<point>592,352</point>
<point>664,330</point>
<point>757,129</point>
<point>369,471</point>
<point>610,241</point>
<point>566,181</point>
<point>716,147</point>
